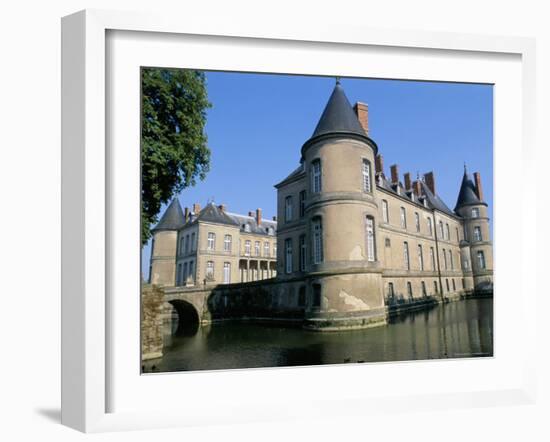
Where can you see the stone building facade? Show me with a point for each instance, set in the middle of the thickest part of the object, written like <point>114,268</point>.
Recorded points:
<point>351,241</point>
<point>212,246</point>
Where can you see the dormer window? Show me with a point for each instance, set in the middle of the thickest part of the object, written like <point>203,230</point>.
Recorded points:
<point>246,227</point>
<point>270,231</point>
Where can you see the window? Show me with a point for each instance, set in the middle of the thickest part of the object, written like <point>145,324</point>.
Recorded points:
<point>403,218</point>
<point>303,251</point>
<point>366,176</point>
<point>178,275</point>
<point>432,258</point>
<point>385,211</point>
<point>430,227</point>
<point>388,242</point>
<point>302,297</point>
<point>463,284</point>
<point>420,258</point>
<point>181,245</point>
<point>227,242</point>
<point>184,279</point>
<point>247,247</point>
<point>192,272</point>
<point>316,176</point>
<point>226,272</point>
<point>193,243</point>
<point>246,227</point>
<point>409,290</point>
<point>477,233</point>
<point>448,231</point>
<point>187,244</point>
<point>417,221</point>
<point>451,259</point>
<point>210,270</point>
<point>288,208</point>
<point>424,292</point>
<point>435,287</point>
<point>211,241</point>
<point>441,232</point>
<point>475,212</point>
<point>457,235</point>
<point>481,259</point>
<point>316,295</point>
<point>270,231</point>
<point>266,249</point>
<point>454,285</point>
<point>447,284</point>
<point>257,248</point>
<point>445,258</point>
<point>371,255</point>
<point>317,241</point>
<point>302,203</point>
<point>288,255</point>
<point>391,293</point>
<point>406,260</point>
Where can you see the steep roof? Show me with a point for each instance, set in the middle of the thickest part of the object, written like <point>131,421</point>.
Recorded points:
<point>172,219</point>
<point>434,201</point>
<point>262,228</point>
<point>213,214</point>
<point>467,194</point>
<point>339,119</point>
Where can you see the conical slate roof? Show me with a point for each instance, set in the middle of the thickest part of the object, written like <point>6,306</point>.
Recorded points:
<point>339,119</point>
<point>338,116</point>
<point>172,219</point>
<point>467,194</point>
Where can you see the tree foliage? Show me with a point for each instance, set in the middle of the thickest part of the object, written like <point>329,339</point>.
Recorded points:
<point>174,151</point>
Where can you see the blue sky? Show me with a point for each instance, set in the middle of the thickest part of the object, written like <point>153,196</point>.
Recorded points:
<point>258,123</point>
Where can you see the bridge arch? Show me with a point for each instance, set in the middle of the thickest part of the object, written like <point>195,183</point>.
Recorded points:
<point>187,317</point>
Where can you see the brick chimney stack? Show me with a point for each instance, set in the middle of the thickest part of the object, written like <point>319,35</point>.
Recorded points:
<point>222,207</point>
<point>394,168</point>
<point>258,216</point>
<point>379,164</point>
<point>407,181</point>
<point>362,112</point>
<point>479,189</point>
<point>429,178</point>
<point>186,214</point>
<point>417,189</point>
<point>196,208</point>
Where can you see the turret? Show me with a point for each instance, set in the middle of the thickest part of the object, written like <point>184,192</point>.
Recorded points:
<point>341,216</point>
<point>164,246</point>
<point>471,207</point>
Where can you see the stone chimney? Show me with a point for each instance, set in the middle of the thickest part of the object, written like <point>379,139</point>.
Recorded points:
<point>222,207</point>
<point>429,178</point>
<point>258,216</point>
<point>362,112</point>
<point>196,208</point>
<point>407,181</point>
<point>379,164</point>
<point>274,218</point>
<point>394,168</point>
<point>417,189</point>
<point>479,189</point>
<point>186,214</point>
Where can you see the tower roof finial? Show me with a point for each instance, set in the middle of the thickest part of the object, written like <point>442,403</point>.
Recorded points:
<point>337,80</point>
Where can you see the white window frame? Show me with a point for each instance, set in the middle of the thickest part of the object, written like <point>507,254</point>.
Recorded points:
<point>481,260</point>
<point>247,246</point>
<point>406,256</point>
<point>227,243</point>
<point>475,212</point>
<point>211,241</point>
<point>366,173</point>
<point>257,249</point>
<point>420,257</point>
<point>316,178</point>
<point>317,229</point>
<point>209,269</point>
<point>226,272</point>
<point>266,249</point>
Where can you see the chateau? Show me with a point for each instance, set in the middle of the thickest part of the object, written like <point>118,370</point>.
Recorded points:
<point>350,241</point>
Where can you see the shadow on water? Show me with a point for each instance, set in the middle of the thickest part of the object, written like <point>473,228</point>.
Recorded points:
<point>453,330</point>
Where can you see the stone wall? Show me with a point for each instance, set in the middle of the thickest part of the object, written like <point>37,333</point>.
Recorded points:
<point>152,301</point>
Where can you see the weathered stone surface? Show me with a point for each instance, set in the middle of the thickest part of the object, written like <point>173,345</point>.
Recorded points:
<point>152,299</point>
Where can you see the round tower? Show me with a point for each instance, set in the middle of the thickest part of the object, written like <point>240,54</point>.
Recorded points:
<point>471,207</point>
<point>344,272</point>
<point>164,246</point>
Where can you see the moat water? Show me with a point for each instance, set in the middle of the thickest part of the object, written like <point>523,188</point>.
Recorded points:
<point>454,330</point>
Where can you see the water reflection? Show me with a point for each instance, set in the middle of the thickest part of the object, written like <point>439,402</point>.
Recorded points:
<point>454,330</point>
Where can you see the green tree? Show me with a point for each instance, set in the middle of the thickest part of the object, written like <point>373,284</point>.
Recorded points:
<point>174,152</point>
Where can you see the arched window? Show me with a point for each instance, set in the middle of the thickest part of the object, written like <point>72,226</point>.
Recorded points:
<point>406,259</point>
<point>367,186</point>
<point>409,289</point>
<point>430,227</point>
<point>317,229</point>
<point>385,211</point>
<point>448,231</point>
<point>424,292</point>
<point>316,176</point>
<point>441,231</point>
<point>403,218</point>
<point>371,240</point>
<point>420,258</point>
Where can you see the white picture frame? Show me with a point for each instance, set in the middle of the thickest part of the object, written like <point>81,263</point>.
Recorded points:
<point>87,214</point>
